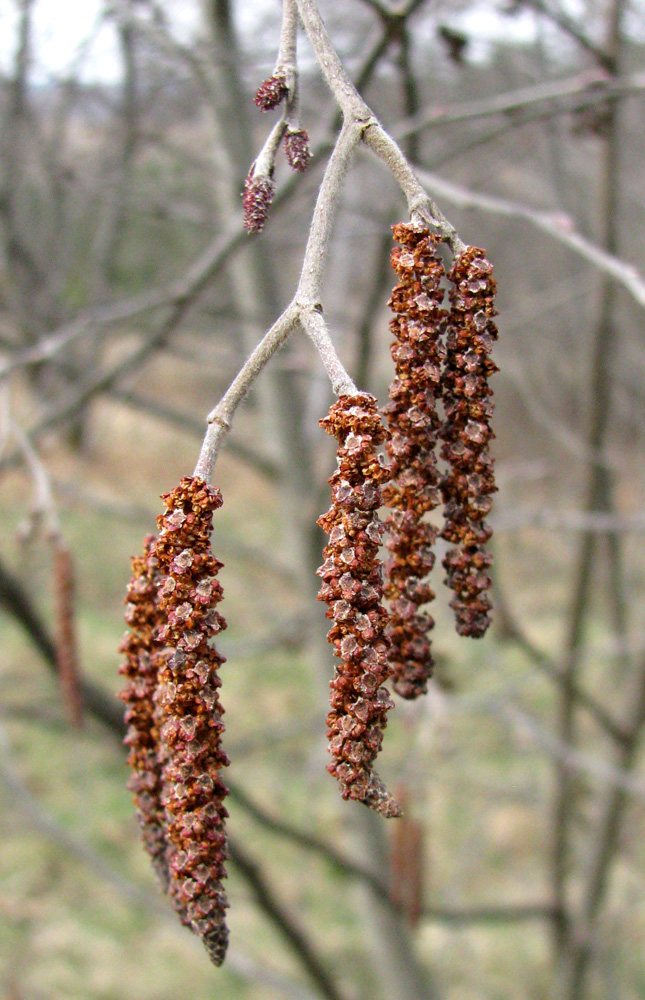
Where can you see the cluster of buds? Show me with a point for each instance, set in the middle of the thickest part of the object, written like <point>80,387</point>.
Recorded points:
<point>174,711</point>
<point>469,482</point>
<point>414,424</point>
<point>259,187</point>
<point>353,590</point>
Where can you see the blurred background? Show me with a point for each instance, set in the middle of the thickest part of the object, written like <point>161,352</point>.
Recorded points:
<point>129,297</point>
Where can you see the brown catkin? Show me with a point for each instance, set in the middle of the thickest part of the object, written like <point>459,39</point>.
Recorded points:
<point>69,671</point>
<point>353,590</point>
<point>418,352</point>
<point>469,482</point>
<point>189,713</point>
<point>141,651</point>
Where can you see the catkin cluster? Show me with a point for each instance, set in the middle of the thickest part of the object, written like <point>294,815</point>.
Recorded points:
<point>174,712</point>
<point>259,187</point>
<point>353,590</point>
<point>414,424</point>
<point>439,408</point>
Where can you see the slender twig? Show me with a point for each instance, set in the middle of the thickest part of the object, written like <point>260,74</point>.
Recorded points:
<point>419,201</point>
<point>309,291</point>
<point>603,850</point>
<point>316,328</point>
<point>555,226</point>
<point>510,631</point>
<point>286,60</point>
<point>600,490</point>
<point>569,26</point>
<point>306,301</point>
<point>268,902</point>
<point>219,419</point>
<point>560,96</point>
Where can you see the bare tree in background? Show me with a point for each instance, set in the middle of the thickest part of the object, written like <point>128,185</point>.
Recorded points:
<point>132,300</point>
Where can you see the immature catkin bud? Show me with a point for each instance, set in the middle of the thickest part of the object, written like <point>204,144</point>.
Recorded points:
<point>418,352</point>
<point>271,92</point>
<point>189,713</point>
<point>66,645</point>
<point>407,869</point>
<point>296,147</point>
<point>468,406</point>
<point>140,668</point>
<point>353,589</point>
<point>256,201</point>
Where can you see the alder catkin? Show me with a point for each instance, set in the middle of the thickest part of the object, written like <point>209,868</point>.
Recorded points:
<point>140,667</point>
<point>418,352</point>
<point>297,151</point>
<point>256,201</point>
<point>468,406</point>
<point>189,713</point>
<point>353,590</point>
<point>271,92</point>
<point>66,645</point>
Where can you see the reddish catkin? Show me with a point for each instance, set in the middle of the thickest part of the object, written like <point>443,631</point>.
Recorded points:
<point>66,646</point>
<point>141,651</point>
<point>271,92</point>
<point>189,713</point>
<point>418,352</point>
<point>353,590</point>
<point>296,147</point>
<point>256,201</point>
<point>469,482</point>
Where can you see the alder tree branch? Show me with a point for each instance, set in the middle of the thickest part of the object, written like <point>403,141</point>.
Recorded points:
<point>569,26</point>
<point>556,226</point>
<point>305,310</point>
<point>560,97</point>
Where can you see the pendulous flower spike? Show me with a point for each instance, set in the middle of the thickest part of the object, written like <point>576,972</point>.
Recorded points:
<point>140,668</point>
<point>188,712</point>
<point>470,481</point>
<point>418,351</point>
<point>352,588</point>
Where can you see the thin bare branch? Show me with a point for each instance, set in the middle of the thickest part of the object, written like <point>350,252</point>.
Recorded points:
<point>560,97</point>
<point>557,227</point>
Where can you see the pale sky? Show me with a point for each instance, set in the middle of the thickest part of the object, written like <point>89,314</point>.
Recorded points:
<point>62,29</point>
